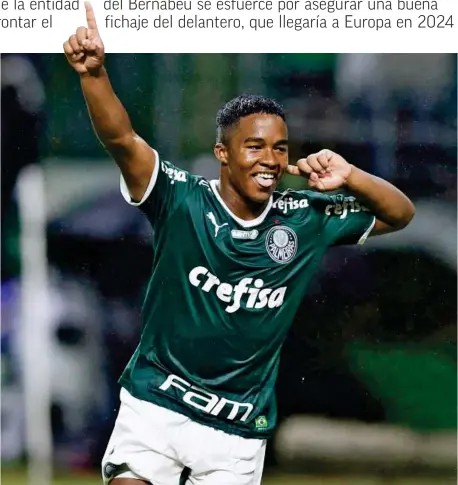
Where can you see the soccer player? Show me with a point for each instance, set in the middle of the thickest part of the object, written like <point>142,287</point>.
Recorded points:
<point>232,261</point>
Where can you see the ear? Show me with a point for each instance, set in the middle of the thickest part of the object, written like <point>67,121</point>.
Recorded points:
<point>221,153</point>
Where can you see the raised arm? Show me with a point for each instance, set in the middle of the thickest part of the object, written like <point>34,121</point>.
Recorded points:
<point>328,171</point>
<point>393,208</point>
<point>86,54</point>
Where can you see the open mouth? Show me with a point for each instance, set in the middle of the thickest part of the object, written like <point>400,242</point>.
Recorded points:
<point>265,180</point>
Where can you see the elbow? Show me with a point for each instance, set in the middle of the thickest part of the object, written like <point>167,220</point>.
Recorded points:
<point>410,213</point>
<point>406,217</point>
<point>119,143</point>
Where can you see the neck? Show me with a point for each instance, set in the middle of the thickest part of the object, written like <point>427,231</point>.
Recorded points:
<point>238,204</point>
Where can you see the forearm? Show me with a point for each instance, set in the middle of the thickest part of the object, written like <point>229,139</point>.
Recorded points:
<point>387,202</point>
<point>109,117</point>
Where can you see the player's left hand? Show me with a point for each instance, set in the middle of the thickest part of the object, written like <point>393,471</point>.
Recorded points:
<point>325,170</point>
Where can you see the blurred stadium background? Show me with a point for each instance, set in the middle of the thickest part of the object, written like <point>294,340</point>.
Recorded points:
<point>367,389</point>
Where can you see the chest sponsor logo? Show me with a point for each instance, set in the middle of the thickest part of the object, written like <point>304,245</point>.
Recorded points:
<point>286,204</point>
<point>206,401</point>
<point>349,204</point>
<point>238,234</point>
<point>281,244</point>
<point>251,290</point>
<point>173,174</point>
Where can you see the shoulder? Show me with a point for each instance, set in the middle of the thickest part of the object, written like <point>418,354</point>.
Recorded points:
<point>326,203</point>
<point>183,179</point>
<point>315,198</point>
<point>174,172</point>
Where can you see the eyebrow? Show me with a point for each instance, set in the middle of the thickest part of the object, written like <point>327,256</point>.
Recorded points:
<point>261,140</point>
<point>282,142</point>
<point>254,139</point>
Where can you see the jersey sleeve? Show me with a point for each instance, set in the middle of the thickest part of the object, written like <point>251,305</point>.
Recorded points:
<point>345,220</point>
<point>168,187</point>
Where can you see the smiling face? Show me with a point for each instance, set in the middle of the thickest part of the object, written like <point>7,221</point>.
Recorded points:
<point>254,156</point>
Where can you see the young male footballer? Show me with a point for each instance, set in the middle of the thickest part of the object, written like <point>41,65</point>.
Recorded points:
<point>232,261</point>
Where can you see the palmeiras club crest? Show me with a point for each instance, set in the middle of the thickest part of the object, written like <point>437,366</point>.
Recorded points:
<point>281,244</point>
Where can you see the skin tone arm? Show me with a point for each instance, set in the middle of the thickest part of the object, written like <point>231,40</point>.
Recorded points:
<point>85,52</point>
<point>327,171</point>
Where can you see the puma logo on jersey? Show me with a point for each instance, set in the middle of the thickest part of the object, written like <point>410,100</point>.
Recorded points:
<point>256,295</point>
<point>212,218</point>
<point>204,183</point>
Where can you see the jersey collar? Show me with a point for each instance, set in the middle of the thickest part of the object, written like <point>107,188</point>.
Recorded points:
<point>214,184</point>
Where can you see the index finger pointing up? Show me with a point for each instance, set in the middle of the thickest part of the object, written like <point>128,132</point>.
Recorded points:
<point>90,17</point>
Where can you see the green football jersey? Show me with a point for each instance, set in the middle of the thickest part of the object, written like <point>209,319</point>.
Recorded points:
<point>223,294</point>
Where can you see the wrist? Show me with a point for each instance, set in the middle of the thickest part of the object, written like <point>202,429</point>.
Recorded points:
<point>351,175</point>
<point>93,73</point>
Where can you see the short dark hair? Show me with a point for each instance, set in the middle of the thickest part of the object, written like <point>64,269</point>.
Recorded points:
<point>241,106</point>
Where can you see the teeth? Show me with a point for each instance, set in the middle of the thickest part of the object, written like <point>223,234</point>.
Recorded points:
<point>265,175</point>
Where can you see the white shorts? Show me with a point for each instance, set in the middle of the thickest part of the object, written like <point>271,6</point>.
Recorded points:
<point>155,444</point>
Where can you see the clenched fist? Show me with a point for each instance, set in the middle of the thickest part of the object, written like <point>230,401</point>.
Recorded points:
<point>325,170</point>
<point>84,49</point>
